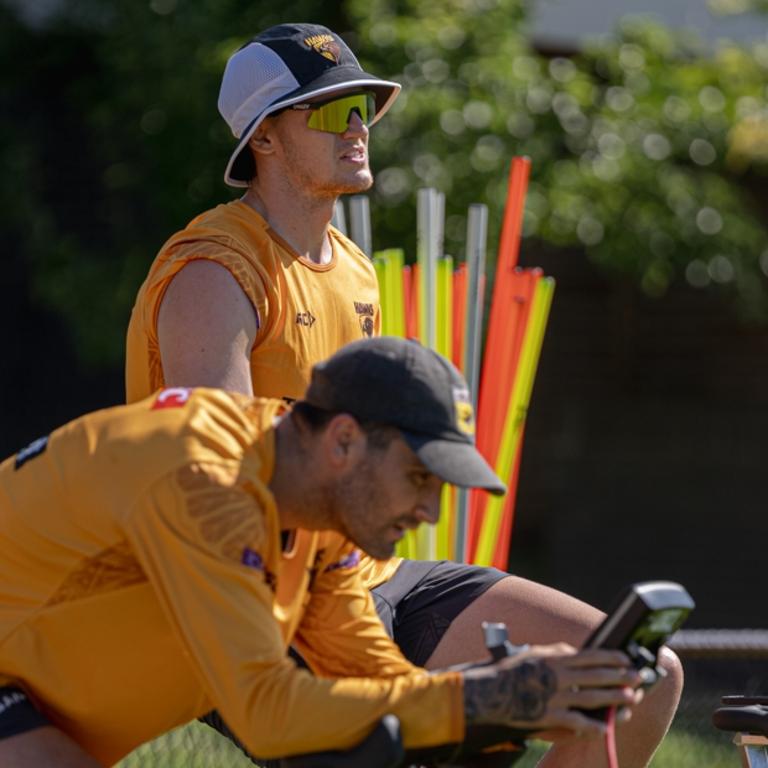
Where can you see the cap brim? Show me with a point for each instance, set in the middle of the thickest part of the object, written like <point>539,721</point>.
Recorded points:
<point>335,79</point>
<point>455,462</point>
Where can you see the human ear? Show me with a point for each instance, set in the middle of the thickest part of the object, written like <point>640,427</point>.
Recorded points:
<point>261,142</point>
<point>344,439</point>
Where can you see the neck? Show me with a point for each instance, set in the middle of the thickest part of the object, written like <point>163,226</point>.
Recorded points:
<point>302,221</point>
<point>297,482</point>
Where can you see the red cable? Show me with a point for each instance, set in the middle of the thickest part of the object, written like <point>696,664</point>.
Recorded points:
<point>610,738</point>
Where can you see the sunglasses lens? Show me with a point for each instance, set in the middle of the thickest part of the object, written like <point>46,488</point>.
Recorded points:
<point>334,116</point>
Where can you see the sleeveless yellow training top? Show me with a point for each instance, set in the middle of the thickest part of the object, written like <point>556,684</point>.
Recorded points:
<point>306,311</point>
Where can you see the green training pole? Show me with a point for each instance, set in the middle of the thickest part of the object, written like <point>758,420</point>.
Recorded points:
<point>393,279</point>
<point>380,265</point>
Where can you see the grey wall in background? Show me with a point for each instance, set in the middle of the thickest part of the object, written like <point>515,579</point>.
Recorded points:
<point>569,23</point>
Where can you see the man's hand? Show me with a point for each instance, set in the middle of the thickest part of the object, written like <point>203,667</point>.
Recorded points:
<point>543,689</point>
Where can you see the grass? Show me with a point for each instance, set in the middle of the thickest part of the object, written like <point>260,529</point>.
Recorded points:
<point>197,746</point>
<point>680,749</point>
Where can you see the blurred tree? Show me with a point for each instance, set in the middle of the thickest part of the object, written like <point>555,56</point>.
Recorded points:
<point>111,141</point>
<point>731,7</point>
<point>645,147</point>
<point>641,145</point>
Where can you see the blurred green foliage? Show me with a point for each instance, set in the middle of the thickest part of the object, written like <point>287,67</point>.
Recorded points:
<point>733,7</point>
<point>648,149</point>
<point>643,145</point>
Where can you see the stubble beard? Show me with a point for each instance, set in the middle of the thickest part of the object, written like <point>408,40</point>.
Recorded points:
<point>362,510</point>
<point>329,188</point>
<point>335,187</point>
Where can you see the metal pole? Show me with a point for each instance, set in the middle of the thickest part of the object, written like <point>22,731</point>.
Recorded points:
<point>427,212</point>
<point>427,246</point>
<point>339,219</point>
<point>477,232</point>
<point>360,223</point>
<point>477,229</point>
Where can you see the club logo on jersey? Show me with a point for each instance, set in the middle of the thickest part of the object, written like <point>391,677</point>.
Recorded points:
<point>465,415</point>
<point>306,319</point>
<point>325,45</point>
<point>35,448</point>
<point>365,315</point>
<point>174,397</point>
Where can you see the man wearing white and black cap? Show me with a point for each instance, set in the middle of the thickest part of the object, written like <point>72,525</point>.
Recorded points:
<point>286,66</point>
<point>160,557</point>
<point>251,294</point>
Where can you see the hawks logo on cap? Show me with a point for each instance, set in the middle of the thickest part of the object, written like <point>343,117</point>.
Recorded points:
<point>325,45</point>
<point>465,415</point>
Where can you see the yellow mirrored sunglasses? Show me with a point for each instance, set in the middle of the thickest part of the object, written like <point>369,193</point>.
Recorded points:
<point>333,116</point>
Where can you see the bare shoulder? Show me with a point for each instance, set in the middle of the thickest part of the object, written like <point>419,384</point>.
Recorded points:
<point>201,279</point>
<point>207,291</point>
<point>206,328</point>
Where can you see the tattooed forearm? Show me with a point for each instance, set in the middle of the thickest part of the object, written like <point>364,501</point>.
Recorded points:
<point>502,696</point>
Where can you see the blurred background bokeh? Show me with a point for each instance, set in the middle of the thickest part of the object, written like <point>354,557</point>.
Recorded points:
<point>645,447</point>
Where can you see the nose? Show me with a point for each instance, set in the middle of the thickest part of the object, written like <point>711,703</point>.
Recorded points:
<point>428,511</point>
<point>356,126</point>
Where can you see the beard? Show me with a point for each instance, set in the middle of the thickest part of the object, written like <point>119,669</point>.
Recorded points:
<point>306,178</point>
<point>364,510</point>
<point>330,189</point>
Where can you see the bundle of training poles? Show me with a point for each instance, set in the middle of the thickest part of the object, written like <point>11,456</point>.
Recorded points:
<point>441,303</point>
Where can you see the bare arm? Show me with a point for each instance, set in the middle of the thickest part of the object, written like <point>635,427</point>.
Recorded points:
<point>206,327</point>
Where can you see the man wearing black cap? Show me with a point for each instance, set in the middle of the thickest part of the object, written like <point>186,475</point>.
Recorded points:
<point>250,295</point>
<point>159,557</point>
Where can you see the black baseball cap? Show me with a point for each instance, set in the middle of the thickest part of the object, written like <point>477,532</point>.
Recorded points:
<point>288,64</point>
<point>403,384</point>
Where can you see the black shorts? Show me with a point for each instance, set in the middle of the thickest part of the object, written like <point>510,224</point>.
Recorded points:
<point>418,604</point>
<point>17,713</point>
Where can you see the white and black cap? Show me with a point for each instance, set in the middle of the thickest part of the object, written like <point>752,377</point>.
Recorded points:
<point>400,383</point>
<point>285,65</point>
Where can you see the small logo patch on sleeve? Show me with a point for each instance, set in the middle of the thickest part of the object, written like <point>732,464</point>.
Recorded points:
<point>35,448</point>
<point>349,561</point>
<point>252,559</point>
<point>174,397</point>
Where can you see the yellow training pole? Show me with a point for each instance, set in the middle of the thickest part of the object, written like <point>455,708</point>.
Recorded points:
<point>380,266</point>
<point>393,284</point>
<point>515,415</point>
<point>389,272</point>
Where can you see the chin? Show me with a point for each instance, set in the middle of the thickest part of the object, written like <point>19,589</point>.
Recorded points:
<point>378,550</point>
<point>360,182</point>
